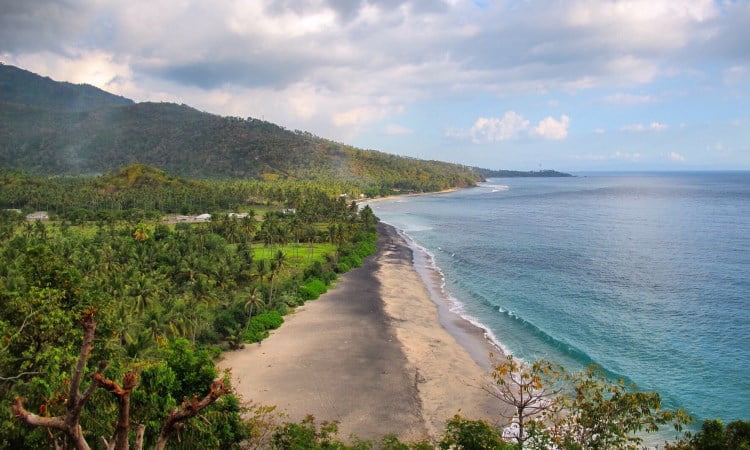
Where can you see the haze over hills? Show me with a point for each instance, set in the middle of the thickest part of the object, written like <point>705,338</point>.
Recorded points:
<point>51,127</point>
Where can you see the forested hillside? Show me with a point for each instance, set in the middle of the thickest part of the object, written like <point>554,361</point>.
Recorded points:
<point>58,128</point>
<point>26,88</point>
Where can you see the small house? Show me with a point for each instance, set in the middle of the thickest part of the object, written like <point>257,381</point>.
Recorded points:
<point>38,215</point>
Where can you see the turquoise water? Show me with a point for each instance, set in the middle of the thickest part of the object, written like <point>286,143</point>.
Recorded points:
<point>646,275</point>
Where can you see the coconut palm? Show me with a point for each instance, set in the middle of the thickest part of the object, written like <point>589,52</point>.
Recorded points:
<point>254,302</point>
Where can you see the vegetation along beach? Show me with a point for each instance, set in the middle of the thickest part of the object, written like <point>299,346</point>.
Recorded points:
<point>396,225</point>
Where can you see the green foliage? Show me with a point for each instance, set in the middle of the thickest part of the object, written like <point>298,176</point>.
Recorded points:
<point>713,435</point>
<point>22,87</point>
<point>465,434</point>
<point>258,326</point>
<point>269,320</point>
<point>43,130</point>
<point>167,297</point>
<point>312,289</point>
<point>307,435</point>
<point>603,414</point>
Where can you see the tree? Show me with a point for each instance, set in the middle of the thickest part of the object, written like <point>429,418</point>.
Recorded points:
<point>69,423</point>
<point>713,435</point>
<point>599,414</point>
<point>530,389</point>
<point>254,302</point>
<point>465,434</point>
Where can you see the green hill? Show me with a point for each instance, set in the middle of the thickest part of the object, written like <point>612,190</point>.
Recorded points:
<point>41,134</point>
<point>26,88</point>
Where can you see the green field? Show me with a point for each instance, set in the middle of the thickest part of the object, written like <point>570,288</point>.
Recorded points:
<point>297,255</point>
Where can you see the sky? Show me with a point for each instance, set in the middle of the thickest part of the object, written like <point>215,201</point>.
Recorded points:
<point>529,84</point>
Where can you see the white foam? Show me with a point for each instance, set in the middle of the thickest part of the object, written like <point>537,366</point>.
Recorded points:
<point>496,187</point>
<point>417,228</point>
<point>454,305</point>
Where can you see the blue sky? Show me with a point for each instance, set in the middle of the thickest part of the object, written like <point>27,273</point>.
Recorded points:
<point>570,85</point>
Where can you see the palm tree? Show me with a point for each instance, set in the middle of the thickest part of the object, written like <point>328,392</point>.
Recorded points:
<point>254,302</point>
<point>276,265</point>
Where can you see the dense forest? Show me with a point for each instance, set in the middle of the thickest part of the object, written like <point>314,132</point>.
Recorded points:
<point>153,302</point>
<point>48,127</point>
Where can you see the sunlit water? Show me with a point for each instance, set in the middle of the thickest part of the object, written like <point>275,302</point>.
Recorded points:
<point>645,275</point>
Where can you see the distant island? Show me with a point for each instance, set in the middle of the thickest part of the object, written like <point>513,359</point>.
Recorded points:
<point>489,173</point>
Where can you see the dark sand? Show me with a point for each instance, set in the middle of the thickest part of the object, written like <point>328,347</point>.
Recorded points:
<point>371,354</point>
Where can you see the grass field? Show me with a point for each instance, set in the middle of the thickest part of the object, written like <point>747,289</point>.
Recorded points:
<point>297,256</point>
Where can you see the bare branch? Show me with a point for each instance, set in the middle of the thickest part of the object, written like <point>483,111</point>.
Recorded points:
<point>122,428</point>
<point>89,326</point>
<point>20,329</point>
<point>189,409</point>
<point>140,431</point>
<point>35,420</point>
<point>20,375</point>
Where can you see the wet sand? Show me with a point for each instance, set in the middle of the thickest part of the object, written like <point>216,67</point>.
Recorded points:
<point>371,354</point>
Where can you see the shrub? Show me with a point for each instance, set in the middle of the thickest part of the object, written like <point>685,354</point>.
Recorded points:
<point>329,276</point>
<point>270,320</point>
<point>465,434</point>
<point>312,289</point>
<point>258,326</point>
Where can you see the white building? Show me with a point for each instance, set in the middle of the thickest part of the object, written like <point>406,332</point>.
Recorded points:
<point>38,215</point>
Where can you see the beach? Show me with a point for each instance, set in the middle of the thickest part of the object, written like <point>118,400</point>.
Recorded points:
<point>374,354</point>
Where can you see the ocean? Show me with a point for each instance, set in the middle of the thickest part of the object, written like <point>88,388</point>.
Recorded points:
<point>646,275</point>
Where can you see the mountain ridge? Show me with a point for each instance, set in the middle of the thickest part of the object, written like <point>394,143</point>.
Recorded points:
<point>99,132</point>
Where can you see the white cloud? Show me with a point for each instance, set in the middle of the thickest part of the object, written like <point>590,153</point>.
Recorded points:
<point>553,129</point>
<point>614,156</point>
<point>735,75</point>
<point>397,130</point>
<point>493,129</point>
<point>95,67</point>
<point>599,131</point>
<point>640,127</point>
<point>512,126</point>
<point>674,156</point>
<point>252,58</point>
<point>628,99</point>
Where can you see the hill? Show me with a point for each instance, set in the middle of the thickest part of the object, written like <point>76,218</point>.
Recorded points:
<point>488,173</point>
<point>27,88</point>
<point>48,127</point>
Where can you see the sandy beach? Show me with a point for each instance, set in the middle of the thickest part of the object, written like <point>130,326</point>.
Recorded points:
<point>415,194</point>
<point>372,354</point>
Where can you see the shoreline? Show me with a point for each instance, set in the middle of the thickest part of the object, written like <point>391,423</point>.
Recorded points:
<point>373,353</point>
<point>415,194</point>
<point>474,336</point>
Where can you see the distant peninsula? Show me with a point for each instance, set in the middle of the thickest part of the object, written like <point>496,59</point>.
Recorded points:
<point>489,173</point>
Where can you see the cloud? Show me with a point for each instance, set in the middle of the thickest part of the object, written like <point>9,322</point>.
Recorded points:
<point>97,68</point>
<point>397,130</point>
<point>614,156</point>
<point>674,156</point>
<point>512,126</point>
<point>628,99</point>
<point>493,129</point>
<point>355,62</point>
<point>640,127</point>
<point>553,129</point>
<point>735,75</point>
